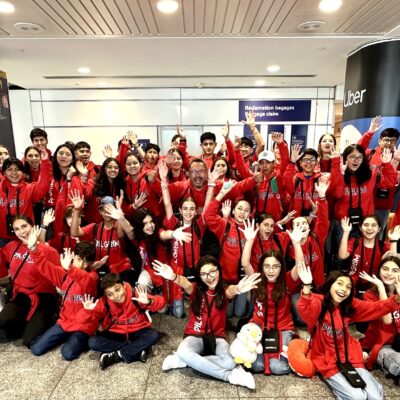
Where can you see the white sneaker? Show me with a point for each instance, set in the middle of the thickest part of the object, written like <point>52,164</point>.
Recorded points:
<point>239,376</point>
<point>173,362</point>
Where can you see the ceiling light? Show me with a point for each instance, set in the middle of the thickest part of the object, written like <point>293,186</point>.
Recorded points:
<point>273,68</point>
<point>167,6</point>
<point>311,26</point>
<point>260,82</point>
<point>6,7</point>
<point>330,5</point>
<point>29,27</point>
<point>84,70</point>
<point>102,84</point>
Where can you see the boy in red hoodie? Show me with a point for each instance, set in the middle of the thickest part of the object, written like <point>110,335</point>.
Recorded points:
<point>126,332</point>
<point>74,278</point>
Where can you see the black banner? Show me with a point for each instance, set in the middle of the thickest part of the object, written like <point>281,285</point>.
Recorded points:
<point>372,85</point>
<point>6,137</point>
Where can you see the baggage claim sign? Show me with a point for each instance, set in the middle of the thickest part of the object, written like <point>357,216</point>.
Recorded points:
<point>372,87</point>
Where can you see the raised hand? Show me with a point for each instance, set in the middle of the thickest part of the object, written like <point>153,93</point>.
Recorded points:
<point>48,217</point>
<point>277,137</point>
<point>98,264</point>
<point>372,279</point>
<point>237,142</point>
<point>119,200</point>
<point>249,231</point>
<point>296,234</point>
<point>396,154</point>
<point>346,225</point>
<point>113,212</point>
<point>43,152</point>
<point>376,124</point>
<point>180,131</point>
<point>249,282</point>
<point>250,118</point>
<point>140,199</point>
<point>225,130</point>
<point>322,186</point>
<point>71,172</point>
<point>33,238</point>
<point>334,153</point>
<point>181,236</point>
<point>133,138</point>
<point>288,217</point>
<point>227,186</point>
<point>76,198</point>
<point>162,169</point>
<point>107,152</point>
<point>214,175</point>
<point>343,166</point>
<point>66,258</point>
<point>397,284</point>
<point>304,273</point>
<point>226,208</point>
<point>163,270</point>
<point>151,176</point>
<point>296,152</point>
<point>386,155</point>
<point>141,294</point>
<point>81,168</point>
<point>88,302</point>
<point>394,234</point>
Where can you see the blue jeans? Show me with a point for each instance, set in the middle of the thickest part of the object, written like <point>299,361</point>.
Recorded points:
<point>389,360</point>
<point>383,216</point>
<point>130,350</point>
<point>75,342</point>
<point>278,366</point>
<point>295,313</point>
<point>238,306</point>
<point>218,366</point>
<point>344,391</point>
<point>178,308</point>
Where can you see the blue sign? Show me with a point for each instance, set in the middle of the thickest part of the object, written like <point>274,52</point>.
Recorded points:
<point>299,135</point>
<point>276,110</point>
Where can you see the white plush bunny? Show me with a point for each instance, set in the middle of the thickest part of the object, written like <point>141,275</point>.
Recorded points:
<point>246,346</point>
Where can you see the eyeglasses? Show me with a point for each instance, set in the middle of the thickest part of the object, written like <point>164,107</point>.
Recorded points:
<point>356,158</point>
<point>308,160</point>
<point>389,141</point>
<point>197,171</point>
<point>210,274</point>
<point>272,267</point>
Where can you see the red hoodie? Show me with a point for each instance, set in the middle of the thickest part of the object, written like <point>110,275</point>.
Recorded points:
<point>122,318</point>
<point>73,283</point>
<point>28,194</point>
<point>323,353</point>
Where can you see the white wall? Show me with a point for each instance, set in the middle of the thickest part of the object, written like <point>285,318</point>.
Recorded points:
<point>103,116</point>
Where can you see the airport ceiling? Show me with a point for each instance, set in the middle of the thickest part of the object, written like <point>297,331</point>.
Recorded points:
<point>205,43</point>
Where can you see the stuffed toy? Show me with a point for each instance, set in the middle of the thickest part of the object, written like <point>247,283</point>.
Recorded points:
<point>246,346</point>
<point>299,359</point>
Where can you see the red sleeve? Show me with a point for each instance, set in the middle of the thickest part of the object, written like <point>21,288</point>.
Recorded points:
<point>242,187</point>
<point>370,295</point>
<point>41,187</point>
<point>322,223</point>
<point>230,149</point>
<point>157,304</point>
<point>123,150</point>
<point>88,232</point>
<point>88,279</point>
<point>388,177</point>
<point>368,311</point>
<point>365,139</point>
<point>288,180</point>
<point>335,174</point>
<point>285,159</point>
<point>240,165</point>
<point>214,221</point>
<point>309,308</point>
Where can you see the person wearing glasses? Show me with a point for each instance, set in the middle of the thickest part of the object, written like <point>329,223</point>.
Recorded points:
<point>388,139</point>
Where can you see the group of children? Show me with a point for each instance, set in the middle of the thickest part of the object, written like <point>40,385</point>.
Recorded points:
<point>88,253</point>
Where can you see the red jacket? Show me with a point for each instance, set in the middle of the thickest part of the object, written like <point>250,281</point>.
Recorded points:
<point>28,193</point>
<point>28,280</point>
<point>124,318</point>
<point>322,348</point>
<point>73,283</point>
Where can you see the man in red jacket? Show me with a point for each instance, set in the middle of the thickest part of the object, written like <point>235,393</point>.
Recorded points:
<point>126,325</point>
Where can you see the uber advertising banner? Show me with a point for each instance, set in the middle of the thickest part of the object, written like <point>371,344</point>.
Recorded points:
<point>372,87</point>
<point>7,137</point>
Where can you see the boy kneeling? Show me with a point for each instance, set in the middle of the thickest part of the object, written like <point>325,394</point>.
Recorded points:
<point>126,333</point>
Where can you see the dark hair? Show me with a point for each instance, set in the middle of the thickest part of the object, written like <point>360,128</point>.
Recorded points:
<point>103,187</point>
<point>309,152</point>
<point>68,212</point>
<point>85,250</point>
<point>150,146</point>
<point>27,167</point>
<point>201,287</point>
<point>176,136</point>
<point>390,132</point>
<point>346,309</point>
<point>81,145</point>
<point>10,161</point>
<point>259,217</point>
<point>37,132</point>
<point>23,217</point>
<point>5,147</point>
<point>373,216</point>
<point>396,260</point>
<point>136,155</point>
<point>363,173</point>
<point>179,152</point>
<point>280,286</point>
<point>320,140</point>
<point>228,173</point>
<point>246,141</point>
<point>151,241</point>
<point>110,280</point>
<point>56,168</point>
<point>208,136</point>
<point>197,160</point>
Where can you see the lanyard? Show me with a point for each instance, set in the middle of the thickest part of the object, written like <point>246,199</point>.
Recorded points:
<point>351,195</point>
<point>240,242</point>
<point>266,198</point>
<point>371,264</point>
<point>109,242</point>
<point>17,204</point>
<point>22,263</point>
<point>209,308</point>
<point>66,293</point>
<point>335,340</point>
<point>191,247</point>
<point>266,313</point>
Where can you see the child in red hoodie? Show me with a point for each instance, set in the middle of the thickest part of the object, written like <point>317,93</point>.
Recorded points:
<point>74,279</point>
<point>126,326</point>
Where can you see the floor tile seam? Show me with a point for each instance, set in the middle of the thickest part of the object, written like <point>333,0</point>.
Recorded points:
<point>61,377</point>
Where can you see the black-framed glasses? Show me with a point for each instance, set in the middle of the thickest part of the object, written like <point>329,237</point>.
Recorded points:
<point>210,274</point>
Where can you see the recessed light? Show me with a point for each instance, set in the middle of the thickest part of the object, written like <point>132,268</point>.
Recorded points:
<point>311,26</point>
<point>330,5</point>
<point>167,6</point>
<point>6,7</point>
<point>102,84</point>
<point>260,82</point>
<point>84,70</point>
<point>273,68</point>
<point>29,27</point>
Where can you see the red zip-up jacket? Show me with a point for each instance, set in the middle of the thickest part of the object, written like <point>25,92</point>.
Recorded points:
<point>28,280</point>
<point>124,318</point>
<point>29,193</point>
<point>323,353</point>
<point>73,283</point>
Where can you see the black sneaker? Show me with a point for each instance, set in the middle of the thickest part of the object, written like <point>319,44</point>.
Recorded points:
<point>143,356</point>
<point>108,359</point>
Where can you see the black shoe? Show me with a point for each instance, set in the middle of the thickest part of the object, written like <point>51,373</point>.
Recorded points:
<point>143,356</point>
<point>108,359</point>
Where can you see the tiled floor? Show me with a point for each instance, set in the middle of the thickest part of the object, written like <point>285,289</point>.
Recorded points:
<point>26,377</point>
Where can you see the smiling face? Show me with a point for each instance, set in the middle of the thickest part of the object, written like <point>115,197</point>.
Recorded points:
<point>176,161</point>
<point>266,167</point>
<point>241,211</point>
<point>22,229</point>
<point>116,293</point>
<point>148,225</point>
<point>271,268</point>
<point>13,174</point>
<point>327,144</point>
<point>64,157</point>
<point>389,273</point>
<point>188,211</point>
<point>340,289</point>
<point>354,160</point>
<point>308,163</point>
<point>198,174</point>
<point>83,154</point>
<point>112,170</point>
<point>3,155</point>
<point>266,228</point>
<point>33,159</point>
<point>370,228</point>
<point>209,274</point>
<point>245,150</point>
<point>132,165</point>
